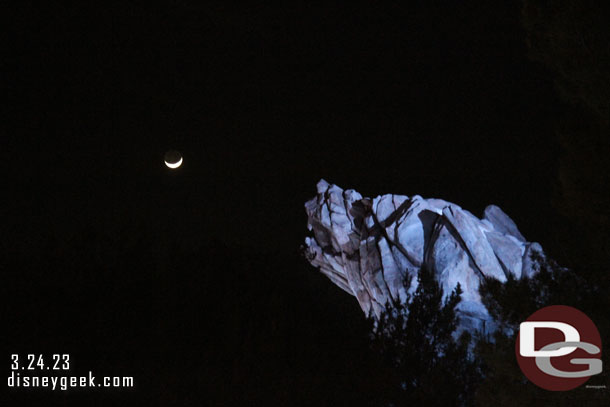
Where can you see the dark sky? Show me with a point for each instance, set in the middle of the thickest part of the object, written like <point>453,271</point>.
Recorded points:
<point>438,99</point>
<point>263,101</point>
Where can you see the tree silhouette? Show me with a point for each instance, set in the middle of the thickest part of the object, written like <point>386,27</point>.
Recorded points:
<point>511,303</point>
<point>416,342</point>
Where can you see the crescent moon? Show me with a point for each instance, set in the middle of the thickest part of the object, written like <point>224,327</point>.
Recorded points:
<point>174,165</point>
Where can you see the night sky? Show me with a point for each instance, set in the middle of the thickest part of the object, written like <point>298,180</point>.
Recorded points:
<point>191,280</point>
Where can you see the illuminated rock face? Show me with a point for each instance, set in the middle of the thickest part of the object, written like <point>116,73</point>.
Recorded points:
<point>367,246</point>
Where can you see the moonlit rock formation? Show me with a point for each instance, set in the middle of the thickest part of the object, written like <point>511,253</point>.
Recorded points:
<point>367,246</point>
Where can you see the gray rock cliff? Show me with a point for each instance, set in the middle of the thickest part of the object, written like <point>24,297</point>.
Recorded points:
<point>367,246</point>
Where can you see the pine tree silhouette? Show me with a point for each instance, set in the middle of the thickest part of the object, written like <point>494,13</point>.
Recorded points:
<point>415,340</point>
<point>510,303</point>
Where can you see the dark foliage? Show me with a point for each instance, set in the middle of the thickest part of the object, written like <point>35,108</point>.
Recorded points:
<point>511,303</point>
<point>416,342</point>
<point>570,38</point>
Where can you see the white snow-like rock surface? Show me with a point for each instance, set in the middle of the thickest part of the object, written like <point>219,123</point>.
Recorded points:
<point>367,246</point>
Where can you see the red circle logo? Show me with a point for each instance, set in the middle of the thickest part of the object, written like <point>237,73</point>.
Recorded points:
<point>559,348</point>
